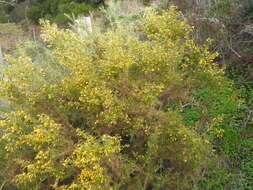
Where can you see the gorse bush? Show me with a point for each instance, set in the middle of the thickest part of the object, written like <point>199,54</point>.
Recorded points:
<point>227,23</point>
<point>113,111</point>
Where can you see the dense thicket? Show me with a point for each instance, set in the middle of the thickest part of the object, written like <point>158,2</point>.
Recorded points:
<point>229,23</point>
<point>54,10</point>
<point>132,108</point>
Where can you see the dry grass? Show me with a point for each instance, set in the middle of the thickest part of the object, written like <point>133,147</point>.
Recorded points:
<point>10,35</point>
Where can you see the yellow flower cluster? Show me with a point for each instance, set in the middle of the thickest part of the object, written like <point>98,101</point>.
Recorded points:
<point>96,116</point>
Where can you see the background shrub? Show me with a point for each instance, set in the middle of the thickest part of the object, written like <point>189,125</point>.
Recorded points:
<point>56,10</point>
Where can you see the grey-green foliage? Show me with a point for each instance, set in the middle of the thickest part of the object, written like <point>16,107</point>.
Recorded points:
<point>115,14</point>
<point>3,15</point>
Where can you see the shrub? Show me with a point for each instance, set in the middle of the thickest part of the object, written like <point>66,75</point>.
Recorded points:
<point>111,114</point>
<point>3,15</point>
<point>56,10</point>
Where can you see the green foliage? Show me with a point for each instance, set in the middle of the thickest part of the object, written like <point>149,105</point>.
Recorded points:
<point>221,8</point>
<point>248,50</point>
<point>114,14</point>
<point>227,23</point>
<point>56,10</point>
<point>113,111</point>
<point>3,15</point>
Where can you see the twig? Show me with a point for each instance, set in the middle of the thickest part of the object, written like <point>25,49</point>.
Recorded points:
<point>3,184</point>
<point>248,118</point>
<point>235,52</point>
<point>230,47</point>
<point>145,182</point>
<point>188,104</point>
<point>249,41</point>
<point>1,56</point>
